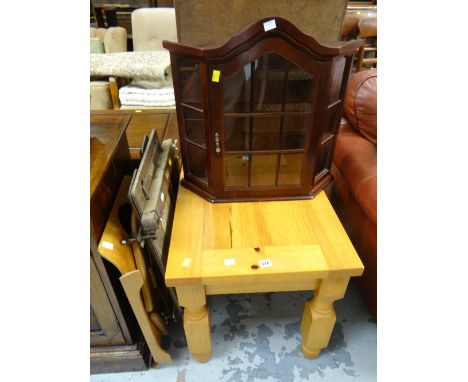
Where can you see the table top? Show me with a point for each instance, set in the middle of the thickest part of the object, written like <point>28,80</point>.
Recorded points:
<point>105,134</point>
<point>304,232</point>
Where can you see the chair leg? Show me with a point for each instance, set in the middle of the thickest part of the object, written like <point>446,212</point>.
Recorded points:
<point>359,59</point>
<point>114,90</point>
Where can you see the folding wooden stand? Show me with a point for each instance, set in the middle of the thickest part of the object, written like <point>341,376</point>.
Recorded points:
<point>122,256</point>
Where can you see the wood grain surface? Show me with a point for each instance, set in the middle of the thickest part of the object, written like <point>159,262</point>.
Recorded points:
<point>204,229</point>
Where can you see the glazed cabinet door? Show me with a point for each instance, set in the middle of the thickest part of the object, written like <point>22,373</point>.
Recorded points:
<point>104,326</point>
<point>266,125</point>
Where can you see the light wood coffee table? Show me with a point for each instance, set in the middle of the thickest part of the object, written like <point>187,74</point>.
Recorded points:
<point>249,247</point>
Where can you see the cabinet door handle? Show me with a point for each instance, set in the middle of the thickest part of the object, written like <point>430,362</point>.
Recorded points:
<point>218,150</point>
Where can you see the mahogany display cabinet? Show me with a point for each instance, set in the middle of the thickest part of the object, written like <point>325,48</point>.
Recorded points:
<point>258,115</point>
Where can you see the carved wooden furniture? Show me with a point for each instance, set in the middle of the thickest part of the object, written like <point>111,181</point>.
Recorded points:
<point>254,247</point>
<point>115,345</point>
<point>258,115</point>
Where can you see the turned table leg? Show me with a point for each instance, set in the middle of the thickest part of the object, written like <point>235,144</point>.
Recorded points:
<point>319,316</point>
<point>196,321</point>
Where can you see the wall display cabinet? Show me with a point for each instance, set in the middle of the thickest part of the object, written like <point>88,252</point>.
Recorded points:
<point>258,115</point>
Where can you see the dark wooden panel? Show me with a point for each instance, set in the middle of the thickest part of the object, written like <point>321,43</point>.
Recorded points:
<point>109,331</point>
<point>120,359</point>
<point>94,324</point>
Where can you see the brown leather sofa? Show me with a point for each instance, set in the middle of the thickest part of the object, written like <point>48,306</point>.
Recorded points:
<point>354,195</point>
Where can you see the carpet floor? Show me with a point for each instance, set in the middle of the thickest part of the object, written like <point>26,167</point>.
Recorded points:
<point>255,337</point>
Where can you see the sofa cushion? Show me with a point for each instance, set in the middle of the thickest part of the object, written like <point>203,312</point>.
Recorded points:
<point>356,159</point>
<point>360,105</point>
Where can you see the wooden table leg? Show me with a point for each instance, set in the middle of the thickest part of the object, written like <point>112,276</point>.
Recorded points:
<point>319,316</point>
<point>196,321</point>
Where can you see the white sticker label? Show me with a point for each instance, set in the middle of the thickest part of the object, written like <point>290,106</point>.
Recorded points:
<point>162,196</point>
<point>186,262</point>
<point>229,262</point>
<point>106,244</point>
<point>270,24</point>
<point>265,263</point>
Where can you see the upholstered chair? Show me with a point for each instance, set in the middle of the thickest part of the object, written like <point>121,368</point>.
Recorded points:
<point>104,40</point>
<point>152,25</point>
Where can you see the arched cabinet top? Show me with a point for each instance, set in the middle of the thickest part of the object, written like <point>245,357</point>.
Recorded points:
<point>256,32</point>
<point>258,115</point>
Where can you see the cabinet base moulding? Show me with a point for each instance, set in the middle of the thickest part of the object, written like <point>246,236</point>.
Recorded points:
<point>115,359</point>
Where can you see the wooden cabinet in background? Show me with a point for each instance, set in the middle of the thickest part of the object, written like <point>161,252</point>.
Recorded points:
<point>115,339</point>
<point>115,342</point>
<point>141,122</point>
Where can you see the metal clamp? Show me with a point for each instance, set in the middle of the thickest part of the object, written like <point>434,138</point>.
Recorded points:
<point>139,238</point>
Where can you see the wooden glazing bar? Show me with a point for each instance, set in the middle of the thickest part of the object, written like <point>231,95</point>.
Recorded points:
<point>283,107</point>
<point>273,151</point>
<point>268,114</point>
<point>191,107</point>
<point>252,72</point>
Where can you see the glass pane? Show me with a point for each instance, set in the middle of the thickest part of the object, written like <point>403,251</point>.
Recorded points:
<point>330,126</point>
<point>300,89</point>
<point>236,134</point>
<point>265,133</point>
<point>194,129</point>
<point>197,162</point>
<point>263,172</point>
<point>236,89</point>
<point>269,83</point>
<point>337,76</point>
<point>290,169</point>
<point>272,90</point>
<point>236,170</point>
<point>266,74</point>
<point>295,130</point>
<point>189,79</point>
<point>323,159</point>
